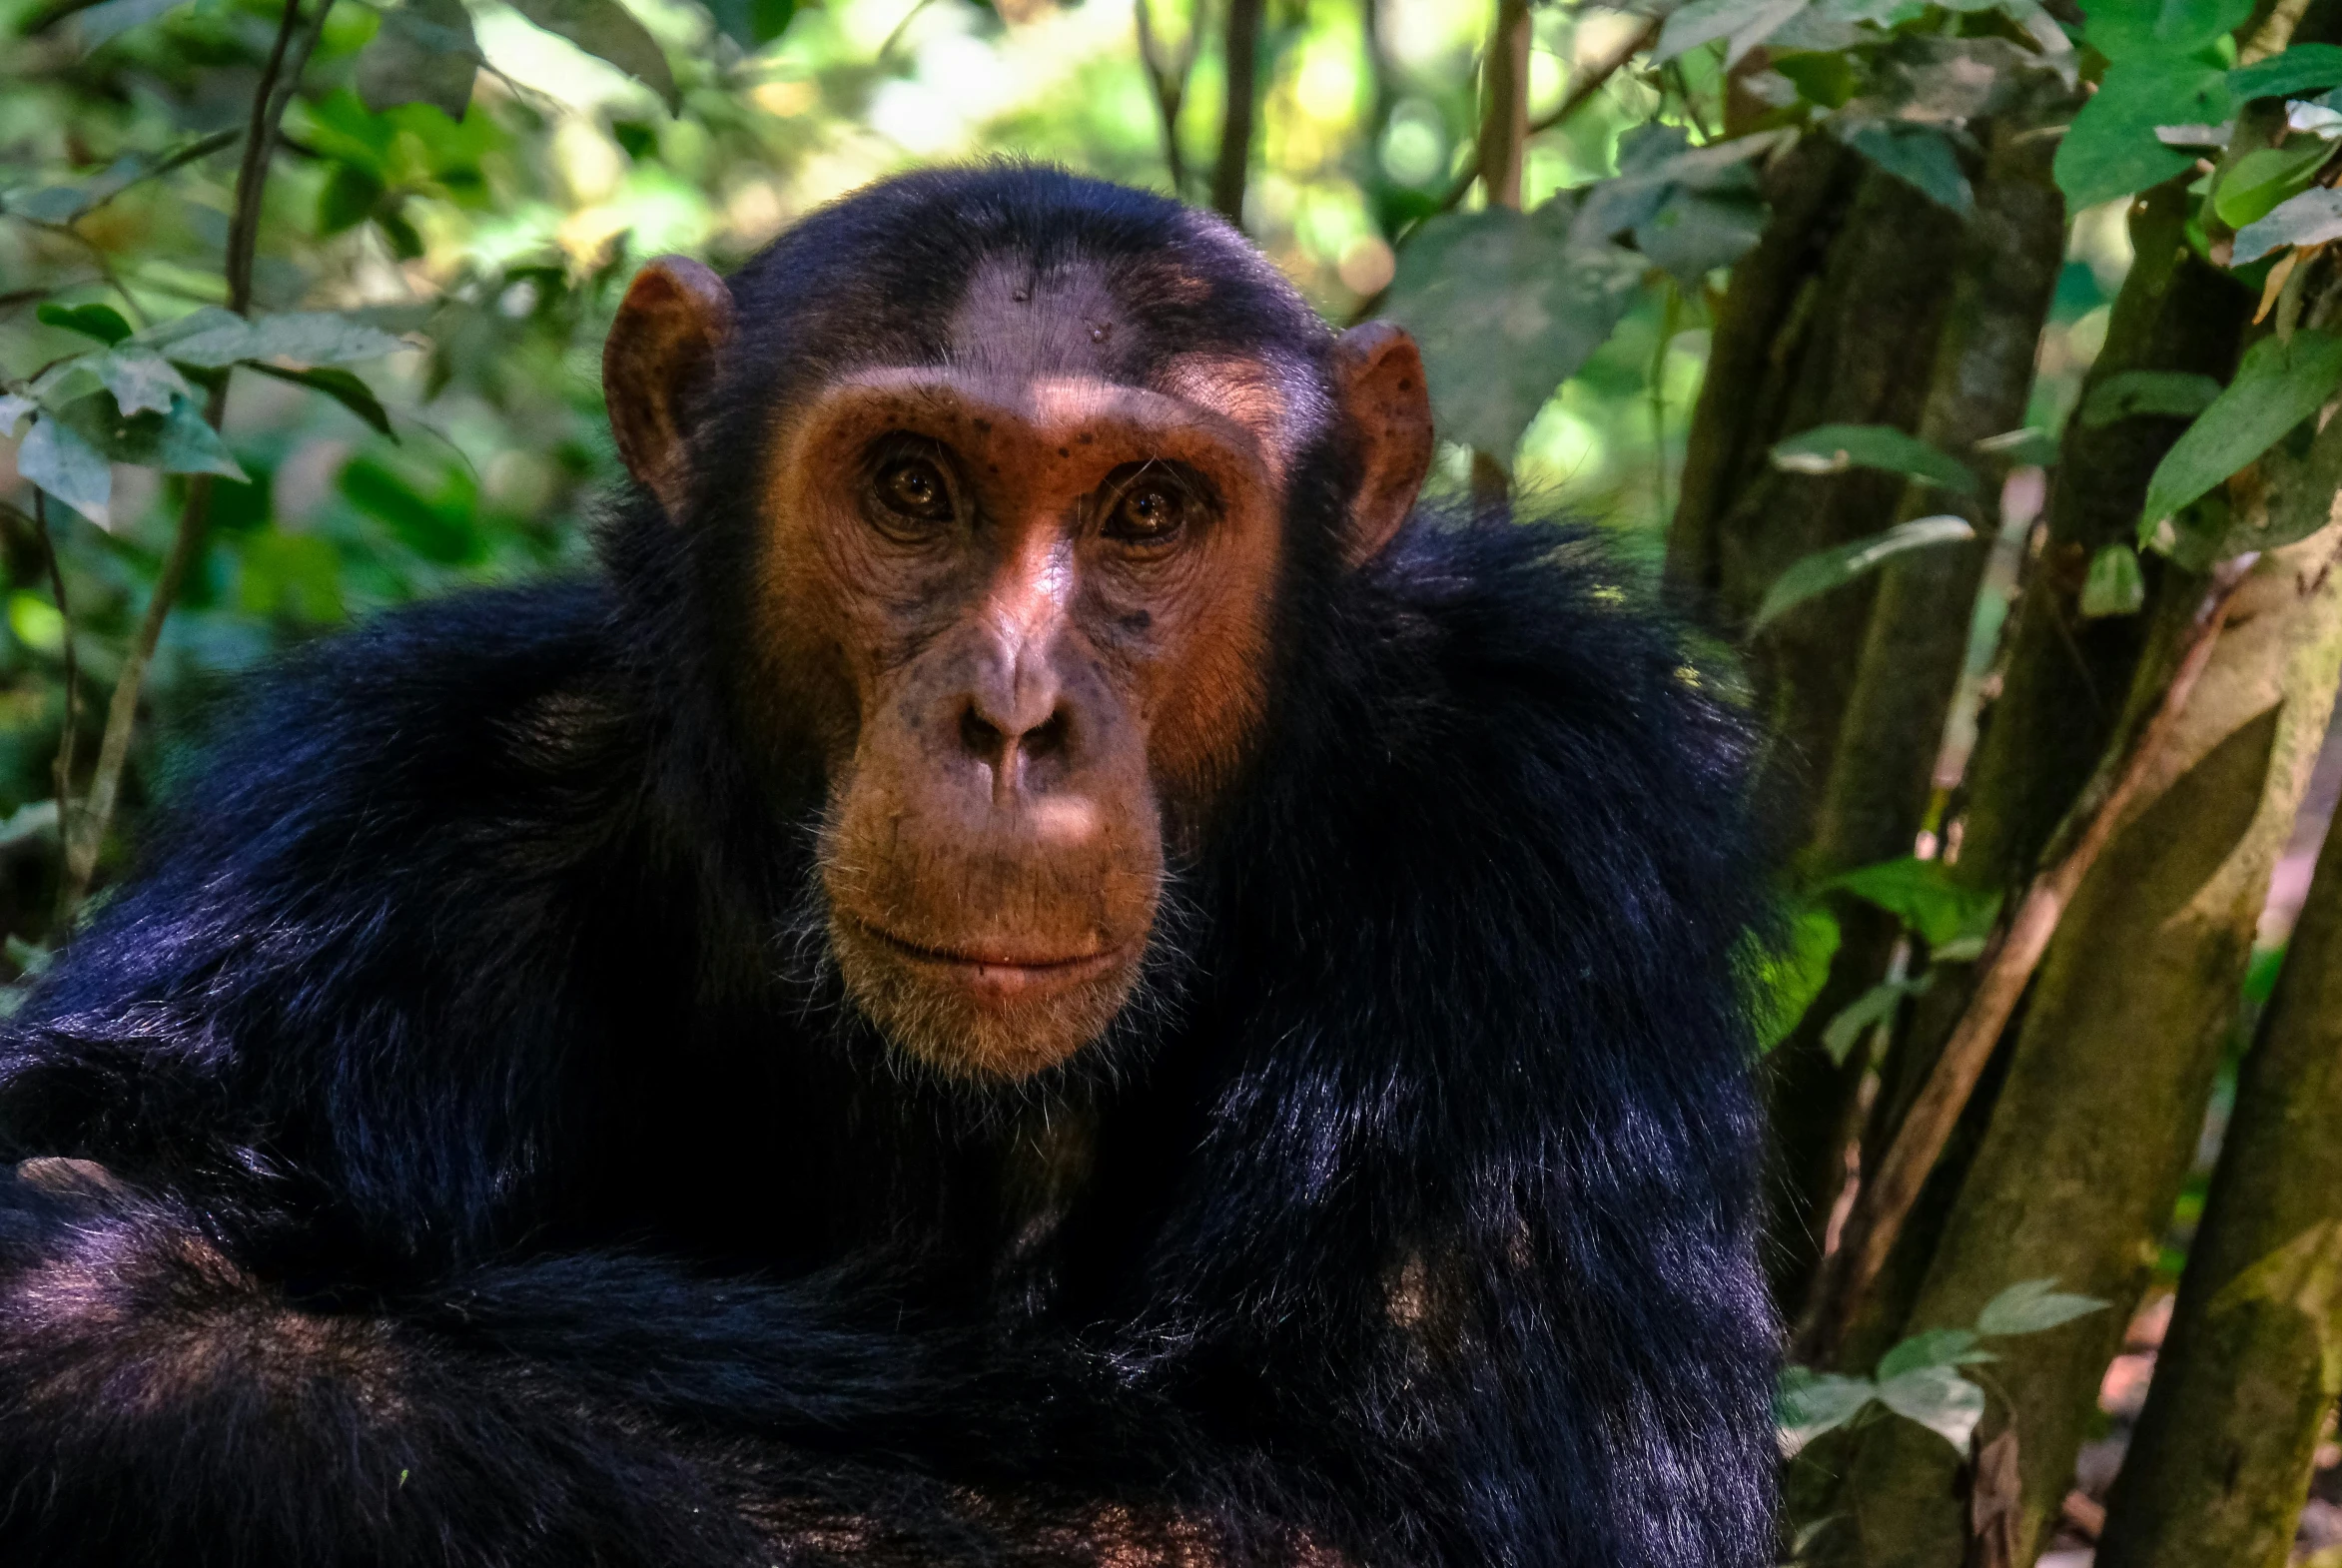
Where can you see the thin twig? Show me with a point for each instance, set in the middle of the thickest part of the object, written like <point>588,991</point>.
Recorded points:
<point>2112,797</point>
<point>1581,92</point>
<point>1170,79</point>
<point>63,764</point>
<point>85,830</point>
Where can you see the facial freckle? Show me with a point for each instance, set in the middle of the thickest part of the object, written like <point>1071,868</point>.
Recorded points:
<point>1084,437</point>
<point>1065,451</point>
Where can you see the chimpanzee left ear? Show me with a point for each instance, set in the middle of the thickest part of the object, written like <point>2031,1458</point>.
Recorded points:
<point>1378,376</point>
<point>660,355</point>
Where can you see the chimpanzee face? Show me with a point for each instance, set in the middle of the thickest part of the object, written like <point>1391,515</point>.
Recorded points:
<point>1023,606</point>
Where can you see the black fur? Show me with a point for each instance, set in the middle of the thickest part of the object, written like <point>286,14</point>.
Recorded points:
<point>493,1173</point>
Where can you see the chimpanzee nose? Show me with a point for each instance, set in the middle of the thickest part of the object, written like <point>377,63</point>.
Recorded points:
<point>1016,739</point>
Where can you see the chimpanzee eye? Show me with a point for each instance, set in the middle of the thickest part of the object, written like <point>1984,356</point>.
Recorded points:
<point>914,487</point>
<point>1149,512</point>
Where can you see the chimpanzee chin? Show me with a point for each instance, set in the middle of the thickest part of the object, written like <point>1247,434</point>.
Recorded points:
<point>1045,967</point>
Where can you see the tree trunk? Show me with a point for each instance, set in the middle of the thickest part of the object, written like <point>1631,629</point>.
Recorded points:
<point>2096,1122</point>
<point>2220,1463</point>
<point>2064,683</point>
<point>1235,165</point>
<point>1917,644</point>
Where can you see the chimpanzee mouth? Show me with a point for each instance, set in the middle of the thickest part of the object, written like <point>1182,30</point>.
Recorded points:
<point>999,975</point>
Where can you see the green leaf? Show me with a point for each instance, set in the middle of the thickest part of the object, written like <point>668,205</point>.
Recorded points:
<point>1917,156</point>
<point>1807,1403</point>
<point>1506,307</point>
<point>1833,448</point>
<point>141,379</point>
<point>347,197</point>
<point>1694,233</point>
<point>2177,393</point>
<point>426,53</point>
<point>341,385</point>
<point>15,408</point>
<point>2278,385</point>
<point>304,336</point>
<point>2259,181</point>
<point>2124,30</point>
<point>1787,982</point>
<point>1744,24</point>
<point>2311,218</point>
<point>608,31</point>
<point>178,442</point>
<point>57,459</point>
<point>101,321</point>
<point>2297,70</point>
<point>62,203</point>
<point>1843,563</point>
<point>1872,1008</point>
<point>1935,1347</point>
<point>1921,895</point>
<point>752,23</point>
<point>2115,585</point>
<point>2031,1306</point>
<point>36,622</point>
<point>1940,1399</point>
<point>2111,150</point>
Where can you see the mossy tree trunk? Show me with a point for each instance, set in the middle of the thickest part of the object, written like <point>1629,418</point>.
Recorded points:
<point>2097,1119</point>
<point>2220,1464</point>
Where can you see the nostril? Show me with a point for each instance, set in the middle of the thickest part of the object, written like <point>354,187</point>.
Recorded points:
<point>1047,739</point>
<point>981,736</point>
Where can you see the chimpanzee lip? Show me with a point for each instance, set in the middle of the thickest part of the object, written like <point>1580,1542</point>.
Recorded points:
<point>1078,966</point>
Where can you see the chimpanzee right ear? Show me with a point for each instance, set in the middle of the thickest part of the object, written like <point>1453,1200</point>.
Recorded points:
<point>659,358</point>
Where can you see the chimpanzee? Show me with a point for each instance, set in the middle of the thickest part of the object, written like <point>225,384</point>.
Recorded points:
<point>1041,969</point>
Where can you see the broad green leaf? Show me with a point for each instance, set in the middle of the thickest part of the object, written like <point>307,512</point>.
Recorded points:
<point>341,385</point>
<point>2115,585</point>
<point>1694,233</point>
<point>1506,310</point>
<point>2031,1306</point>
<point>2278,385</point>
<point>36,622</point>
<point>62,203</point>
<point>1843,563</point>
<point>426,53</point>
<point>1833,448</point>
<point>1807,1403</point>
<point>2297,70</point>
<point>100,24</point>
<point>101,321</point>
<point>57,459</point>
<point>1787,982</point>
<point>141,379</point>
<point>2111,148</point>
<point>607,31</point>
<point>2124,30</point>
<point>1935,1347</point>
<point>2260,179</point>
<point>1919,157</point>
<point>1872,1008</point>
<point>1742,24</point>
<point>752,23</point>
<point>177,441</point>
<point>2173,394</point>
<point>304,336</point>
<point>2311,218</point>
<point>1924,897</point>
<point>1940,1399</point>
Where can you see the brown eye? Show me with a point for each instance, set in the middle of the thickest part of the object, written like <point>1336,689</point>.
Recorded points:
<point>914,487</point>
<point>1149,511</point>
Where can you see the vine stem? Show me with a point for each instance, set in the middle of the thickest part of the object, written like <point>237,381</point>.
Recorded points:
<point>82,830</point>
<point>1886,1199</point>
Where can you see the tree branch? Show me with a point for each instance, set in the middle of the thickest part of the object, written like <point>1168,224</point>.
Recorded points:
<point>1243,100</point>
<point>1170,80</point>
<point>1581,92</point>
<point>83,831</point>
<point>1887,1197</point>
